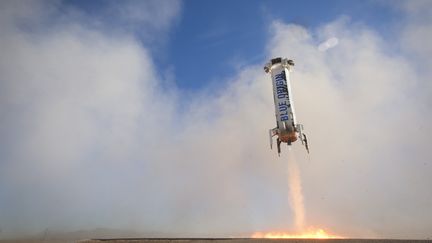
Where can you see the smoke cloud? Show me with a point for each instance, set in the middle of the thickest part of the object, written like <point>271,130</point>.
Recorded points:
<point>91,136</point>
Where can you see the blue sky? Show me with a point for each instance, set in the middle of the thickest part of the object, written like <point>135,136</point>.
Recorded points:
<point>211,39</point>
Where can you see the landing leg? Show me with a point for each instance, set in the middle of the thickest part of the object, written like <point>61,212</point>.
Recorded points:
<point>278,146</point>
<point>306,142</point>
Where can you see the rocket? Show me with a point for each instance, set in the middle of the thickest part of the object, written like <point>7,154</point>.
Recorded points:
<point>287,129</point>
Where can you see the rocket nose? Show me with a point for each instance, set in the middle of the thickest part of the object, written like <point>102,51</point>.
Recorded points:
<point>276,60</point>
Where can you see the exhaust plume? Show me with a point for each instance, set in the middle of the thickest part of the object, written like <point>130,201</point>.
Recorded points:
<point>295,191</point>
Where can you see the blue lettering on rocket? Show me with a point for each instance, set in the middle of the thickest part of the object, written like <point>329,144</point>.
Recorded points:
<point>283,96</point>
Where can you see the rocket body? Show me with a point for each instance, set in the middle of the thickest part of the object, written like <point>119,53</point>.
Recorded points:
<point>287,130</point>
<point>283,103</point>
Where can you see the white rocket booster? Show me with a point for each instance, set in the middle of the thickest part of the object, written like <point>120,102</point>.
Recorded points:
<point>287,129</point>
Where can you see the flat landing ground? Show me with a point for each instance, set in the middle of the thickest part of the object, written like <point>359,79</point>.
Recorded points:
<point>254,240</point>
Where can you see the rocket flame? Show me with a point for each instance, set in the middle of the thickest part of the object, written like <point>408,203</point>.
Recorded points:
<point>310,234</point>
<point>297,205</point>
